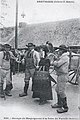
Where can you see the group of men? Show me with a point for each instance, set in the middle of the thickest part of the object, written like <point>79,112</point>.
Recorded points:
<point>31,60</point>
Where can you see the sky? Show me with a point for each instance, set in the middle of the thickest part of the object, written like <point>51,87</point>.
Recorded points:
<point>37,12</point>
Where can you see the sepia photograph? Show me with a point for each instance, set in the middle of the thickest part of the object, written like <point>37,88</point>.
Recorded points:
<point>39,59</point>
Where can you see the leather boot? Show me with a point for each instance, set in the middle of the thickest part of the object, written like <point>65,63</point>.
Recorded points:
<point>58,104</point>
<point>64,107</point>
<point>25,90</point>
<point>10,86</point>
<point>2,95</point>
<point>8,90</point>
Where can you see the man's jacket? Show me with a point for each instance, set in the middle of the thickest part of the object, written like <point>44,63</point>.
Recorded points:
<point>61,66</point>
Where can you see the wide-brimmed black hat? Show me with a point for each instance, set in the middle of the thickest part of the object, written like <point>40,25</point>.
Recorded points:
<point>7,46</point>
<point>30,45</point>
<point>62,47</point>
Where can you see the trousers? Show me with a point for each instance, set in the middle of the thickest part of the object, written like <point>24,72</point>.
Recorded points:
<point>28,73</point>
<point>61,85</point>
<point>5,77</point>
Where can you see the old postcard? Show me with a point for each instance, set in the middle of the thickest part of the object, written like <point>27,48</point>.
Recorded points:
<point>34,72</point>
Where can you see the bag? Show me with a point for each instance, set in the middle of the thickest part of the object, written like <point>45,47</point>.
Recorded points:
<point>41,75</point>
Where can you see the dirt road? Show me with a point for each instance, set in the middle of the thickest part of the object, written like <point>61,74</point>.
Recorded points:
<point>25,108</point>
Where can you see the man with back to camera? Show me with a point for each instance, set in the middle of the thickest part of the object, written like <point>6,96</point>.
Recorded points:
<point>61,67</point>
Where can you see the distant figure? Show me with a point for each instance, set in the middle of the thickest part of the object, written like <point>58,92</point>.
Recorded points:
<point>42,52</point>
<point>50,47</point>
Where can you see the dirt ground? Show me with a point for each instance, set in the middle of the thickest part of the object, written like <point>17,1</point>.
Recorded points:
<point>16,108</point>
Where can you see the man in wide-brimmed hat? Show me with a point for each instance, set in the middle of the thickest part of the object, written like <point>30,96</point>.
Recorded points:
<point>31,61</point>
<point>7,55</point>
<point>29,45</point>
<point>7,46</point>
<point>61,66</point>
